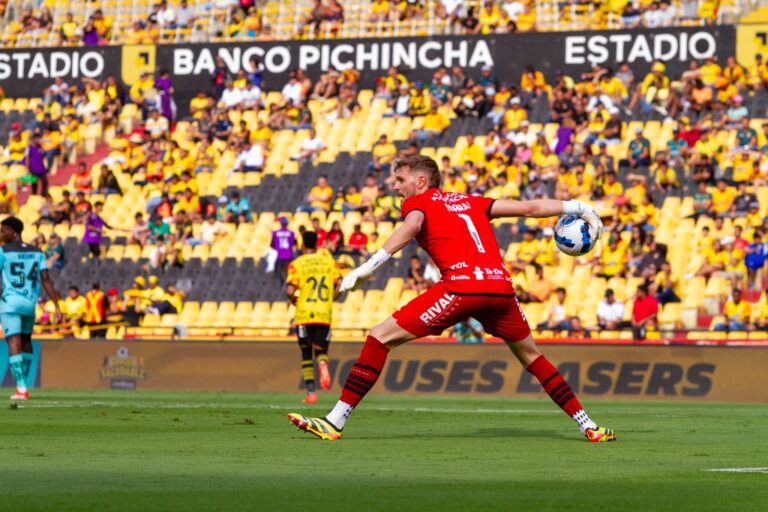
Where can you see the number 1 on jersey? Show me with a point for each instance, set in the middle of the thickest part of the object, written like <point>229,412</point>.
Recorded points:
<point>473,232</point>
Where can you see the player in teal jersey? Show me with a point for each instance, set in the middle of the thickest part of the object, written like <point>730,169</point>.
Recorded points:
<point>24,269</point>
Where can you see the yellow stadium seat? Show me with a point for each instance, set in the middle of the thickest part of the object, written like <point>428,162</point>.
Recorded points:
<point>670,315</point>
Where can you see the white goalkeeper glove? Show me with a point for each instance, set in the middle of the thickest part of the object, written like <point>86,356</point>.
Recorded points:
<point>587,213</point>
<point>361,274</point>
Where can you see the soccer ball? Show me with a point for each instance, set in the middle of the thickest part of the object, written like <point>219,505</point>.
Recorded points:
<point>574,236</point>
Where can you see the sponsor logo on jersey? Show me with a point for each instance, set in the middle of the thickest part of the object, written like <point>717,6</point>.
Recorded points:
<point>450,197</point>
<point>479,274</point>
<point>437,308</point>
<point>461,277</point>
<point>457,266</point>
<point>494,274</point>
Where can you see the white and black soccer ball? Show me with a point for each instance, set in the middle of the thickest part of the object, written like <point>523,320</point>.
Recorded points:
<point>574,236</point>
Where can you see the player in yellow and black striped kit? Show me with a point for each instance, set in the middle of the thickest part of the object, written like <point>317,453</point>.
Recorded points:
<point>312,285</point>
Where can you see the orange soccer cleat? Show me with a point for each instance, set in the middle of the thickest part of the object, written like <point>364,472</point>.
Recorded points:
<point>600,435</point>
<point>19,396</point>
<point>319,427</point>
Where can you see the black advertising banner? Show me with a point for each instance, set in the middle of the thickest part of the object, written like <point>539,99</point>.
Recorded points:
<point>25,72</point>
<point>573,52</point>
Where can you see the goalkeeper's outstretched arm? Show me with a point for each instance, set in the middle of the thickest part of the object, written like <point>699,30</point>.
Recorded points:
<point>537,208</point>
<point>547,208</point>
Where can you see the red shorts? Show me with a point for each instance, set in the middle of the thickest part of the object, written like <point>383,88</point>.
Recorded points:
<point>437,309</point>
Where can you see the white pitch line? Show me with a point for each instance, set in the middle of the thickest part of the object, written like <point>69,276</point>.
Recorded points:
<point>738,470</point>
<point>435,410</point>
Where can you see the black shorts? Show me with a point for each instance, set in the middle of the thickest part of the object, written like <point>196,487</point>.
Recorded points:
<point>314,333</point>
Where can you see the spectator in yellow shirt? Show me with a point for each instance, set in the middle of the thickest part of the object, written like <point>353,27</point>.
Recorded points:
<point>710,72</point>
<point>734,72</point>
<point>528,250</point>
<point>532,79</point>
<point>744,166</point>
<point>136,35</point>
<point>708,11</point>
<point>472,152</point>
<point>612,189</point>
<point>548,250</point>
<point>103,24</point>
<point>613,259</point>
<point>725,91</point>
<point>761,321</point>
<point>653,92</point>
<point>319,197</point>
<point>8,203</point>
<point>14,152</point>
<point>51,145</point>
<point>140,89</point>
<point>488,19</point>
<point>455,183</point>
<point>74,307</point>
<point>379,11</point>
<point>383,154</point>
<point>420,102</point>
<point>757,72</point>
<point>722,197</point>
<point>703,154</point>
<point>515,115</point>
<point>737,314</point>
<point>715,260</point>
<point>199,103</point>
<point>526,20</point>
<point>70,30</point>
<point>637,190</point>
<point>434,125</point>
<point>666,178</point>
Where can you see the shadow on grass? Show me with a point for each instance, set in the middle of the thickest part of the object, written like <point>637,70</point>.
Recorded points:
<point>481,433</point>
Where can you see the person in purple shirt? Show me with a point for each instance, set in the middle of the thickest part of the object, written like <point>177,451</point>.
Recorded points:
<point>284,242</point>
<point>94,226</point>
<point>34,159</point>
<point>166,104</point>
<point>90,34</point>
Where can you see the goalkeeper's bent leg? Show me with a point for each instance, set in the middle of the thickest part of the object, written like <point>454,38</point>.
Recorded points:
<point>363,375</point>
<point>551,380</point>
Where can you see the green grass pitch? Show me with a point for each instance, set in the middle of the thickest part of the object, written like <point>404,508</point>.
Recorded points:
<point>122,450</point>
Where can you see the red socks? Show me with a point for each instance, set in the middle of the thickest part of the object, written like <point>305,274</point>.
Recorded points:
<point>365,371</point>
<point>555,385</point>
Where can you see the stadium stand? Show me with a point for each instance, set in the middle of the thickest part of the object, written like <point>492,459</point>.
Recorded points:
<point>677,165</point>
<point>175,21</point>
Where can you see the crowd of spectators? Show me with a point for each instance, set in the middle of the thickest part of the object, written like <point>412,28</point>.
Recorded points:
<point>95,311</point>
<point>581,159</point>
<point>249,20</point>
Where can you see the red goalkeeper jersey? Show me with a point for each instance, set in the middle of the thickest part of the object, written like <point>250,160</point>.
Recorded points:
<point>458,235</point>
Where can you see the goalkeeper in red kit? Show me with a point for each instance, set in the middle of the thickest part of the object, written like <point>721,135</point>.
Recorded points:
<point>456,231</point>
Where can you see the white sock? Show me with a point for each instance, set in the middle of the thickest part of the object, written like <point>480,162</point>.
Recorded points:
<point>340,414</point>
<point>583,420</point>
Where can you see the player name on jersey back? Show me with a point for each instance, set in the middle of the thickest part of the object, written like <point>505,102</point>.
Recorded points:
<point>458,235</point>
